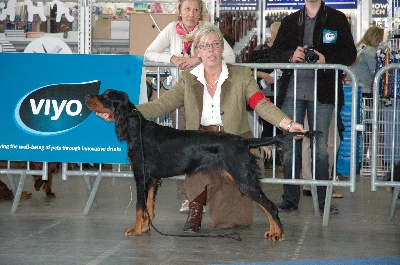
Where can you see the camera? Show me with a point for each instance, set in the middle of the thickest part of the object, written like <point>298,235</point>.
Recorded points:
<point>311,56</point>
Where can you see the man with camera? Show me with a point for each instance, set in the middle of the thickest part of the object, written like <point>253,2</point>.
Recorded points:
<point>315,34</point>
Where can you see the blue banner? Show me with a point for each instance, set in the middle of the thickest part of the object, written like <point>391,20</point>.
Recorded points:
<point>44,116</point>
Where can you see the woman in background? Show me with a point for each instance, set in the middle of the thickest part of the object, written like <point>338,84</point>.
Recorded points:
<point>260,55</point>
<point>365,65</point>
<point>178,36</point>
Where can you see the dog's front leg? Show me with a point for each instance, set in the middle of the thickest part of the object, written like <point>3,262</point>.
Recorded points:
<point>151,197</point>
<point>143,213</point>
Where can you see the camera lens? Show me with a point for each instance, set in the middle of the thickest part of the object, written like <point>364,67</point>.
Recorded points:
<point>311,56</point>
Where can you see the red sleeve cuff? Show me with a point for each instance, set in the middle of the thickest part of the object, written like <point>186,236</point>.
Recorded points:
<point>254,99</point>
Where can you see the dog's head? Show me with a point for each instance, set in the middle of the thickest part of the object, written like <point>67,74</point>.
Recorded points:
<point>111,102</point>
<point>120,109</point>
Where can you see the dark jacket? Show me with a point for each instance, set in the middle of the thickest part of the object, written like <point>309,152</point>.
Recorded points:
<point>290,36</point>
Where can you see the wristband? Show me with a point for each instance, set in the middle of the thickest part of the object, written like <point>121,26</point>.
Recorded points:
<point>289,125</point>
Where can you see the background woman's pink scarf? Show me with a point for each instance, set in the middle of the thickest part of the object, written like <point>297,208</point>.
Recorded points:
<point>187,37</point>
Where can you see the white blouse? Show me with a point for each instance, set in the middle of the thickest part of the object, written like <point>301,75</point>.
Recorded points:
<point>211,114</point>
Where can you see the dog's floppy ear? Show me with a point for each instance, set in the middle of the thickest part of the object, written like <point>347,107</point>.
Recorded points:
<point>120,101</point>
<point>124,113</point>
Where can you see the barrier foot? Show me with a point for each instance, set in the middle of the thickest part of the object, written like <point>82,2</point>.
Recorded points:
<point>394,201</point>
<point>18,193</point>
<point>92,194</point>
<point>90,187</point>
<point>328,202</point>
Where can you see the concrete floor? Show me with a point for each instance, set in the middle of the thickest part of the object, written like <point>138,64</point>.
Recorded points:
<point>55,231</point>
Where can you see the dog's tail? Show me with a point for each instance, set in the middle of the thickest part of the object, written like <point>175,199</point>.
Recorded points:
<point>279,139</point>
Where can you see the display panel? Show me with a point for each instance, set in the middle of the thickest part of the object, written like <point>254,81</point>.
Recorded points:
<point>379,8</point>
<point>251,5</point>
<point>298,4</point>
<point>44,116</point>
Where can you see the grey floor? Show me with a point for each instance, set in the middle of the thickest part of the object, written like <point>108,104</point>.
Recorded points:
<point>55,231</point>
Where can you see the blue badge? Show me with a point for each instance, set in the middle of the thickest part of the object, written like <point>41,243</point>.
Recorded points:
<point>329,36</point>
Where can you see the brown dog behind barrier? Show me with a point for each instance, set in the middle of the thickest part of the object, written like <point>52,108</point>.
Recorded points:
<point>46,185</point>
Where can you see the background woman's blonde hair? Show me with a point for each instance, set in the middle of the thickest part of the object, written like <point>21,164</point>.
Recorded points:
<point>372,37</point>
<point>206,31</point>
<point>275,27</point>
<point>179,6</point>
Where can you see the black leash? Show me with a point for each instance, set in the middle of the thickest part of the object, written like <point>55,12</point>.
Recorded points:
<point>233,235</point>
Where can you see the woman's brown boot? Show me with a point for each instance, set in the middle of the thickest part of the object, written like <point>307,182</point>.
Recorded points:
<point>193,222</point>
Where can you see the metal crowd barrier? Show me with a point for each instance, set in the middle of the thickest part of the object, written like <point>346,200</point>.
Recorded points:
<point>160,68</point>
<point>386,133</point>
<point>354,127</point>
<point>17,190</point>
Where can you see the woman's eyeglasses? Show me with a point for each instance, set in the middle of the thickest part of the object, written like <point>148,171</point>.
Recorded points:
<point>206,46</point>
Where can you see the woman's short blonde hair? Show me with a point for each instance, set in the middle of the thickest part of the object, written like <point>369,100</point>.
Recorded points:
<point>206,31</point>
<point>372,37</point>
<point>179,4</point>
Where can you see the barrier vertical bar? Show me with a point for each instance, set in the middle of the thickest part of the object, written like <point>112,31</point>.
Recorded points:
<point>18,194</point>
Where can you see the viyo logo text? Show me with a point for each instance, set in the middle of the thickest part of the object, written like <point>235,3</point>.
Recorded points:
<point>54,109</point>
<point>72,107</point>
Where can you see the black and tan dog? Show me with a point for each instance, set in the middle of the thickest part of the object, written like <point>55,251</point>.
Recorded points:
<point>157,152</point>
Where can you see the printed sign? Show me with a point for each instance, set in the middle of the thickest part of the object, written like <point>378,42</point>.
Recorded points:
<point>44,116</point>
<point>251,5</point>
<point>379,8</point>
<point>329,36</point>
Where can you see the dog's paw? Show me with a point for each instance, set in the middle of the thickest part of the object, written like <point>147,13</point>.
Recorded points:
<point>134,232</point>
<point>137,229</point>
<point>50,195</point>
<point>38,182</point>
<point>131,232</point>
<point>26,195</point>
<point>273,236</point>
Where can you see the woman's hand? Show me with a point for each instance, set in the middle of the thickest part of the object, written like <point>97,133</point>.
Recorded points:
<point>185,63</point>
<point>292,126</point>
<point>267,77</point>
<point>297,127</point>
